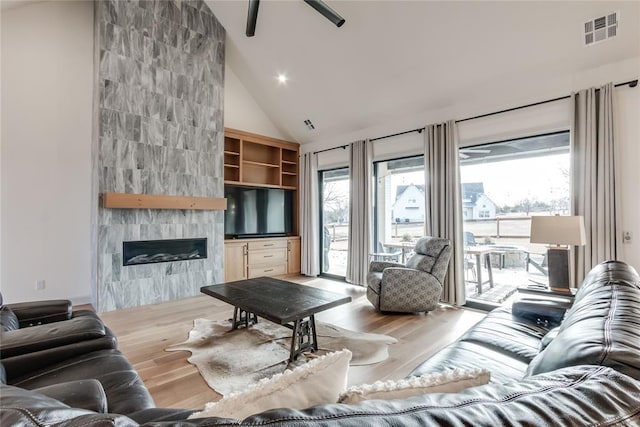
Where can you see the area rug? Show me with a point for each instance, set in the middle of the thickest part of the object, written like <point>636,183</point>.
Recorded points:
<point>231,360</point>
<point>496,294</point>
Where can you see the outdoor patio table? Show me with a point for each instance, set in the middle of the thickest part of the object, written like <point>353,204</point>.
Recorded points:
<point>481,252</point>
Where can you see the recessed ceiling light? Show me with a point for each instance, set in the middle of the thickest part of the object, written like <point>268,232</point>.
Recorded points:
<point>282,78</point>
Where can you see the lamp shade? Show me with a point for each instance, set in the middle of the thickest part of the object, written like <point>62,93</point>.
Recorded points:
<point>558,230</point>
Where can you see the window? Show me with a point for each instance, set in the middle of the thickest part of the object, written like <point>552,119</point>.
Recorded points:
<point>503,185</point>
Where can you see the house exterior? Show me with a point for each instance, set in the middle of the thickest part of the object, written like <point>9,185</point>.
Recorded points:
<point>475,203</point>
<point>409,204</point>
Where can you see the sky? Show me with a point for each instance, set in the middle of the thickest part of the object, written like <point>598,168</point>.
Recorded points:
<point>508,182</point>
<point>505,182</point>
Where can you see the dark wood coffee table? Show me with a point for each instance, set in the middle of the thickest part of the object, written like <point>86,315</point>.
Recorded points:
<point>285,303</point>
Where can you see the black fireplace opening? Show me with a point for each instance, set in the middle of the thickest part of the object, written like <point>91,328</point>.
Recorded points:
<point>152,251</point>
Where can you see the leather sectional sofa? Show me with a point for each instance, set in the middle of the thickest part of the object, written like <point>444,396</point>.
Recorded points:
<point>550,365</point>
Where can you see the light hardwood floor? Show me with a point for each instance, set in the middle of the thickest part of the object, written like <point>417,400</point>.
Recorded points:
<point>144,332</point>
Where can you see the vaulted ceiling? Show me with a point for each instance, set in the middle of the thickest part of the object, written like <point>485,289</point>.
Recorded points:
<point>395,59</point>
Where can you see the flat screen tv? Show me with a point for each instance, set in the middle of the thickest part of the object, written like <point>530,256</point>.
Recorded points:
<point>257,212</point>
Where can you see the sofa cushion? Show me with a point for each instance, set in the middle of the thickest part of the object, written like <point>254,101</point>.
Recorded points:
<point>469,355</point>
<point>508,334</point>
<point>123,387</point>
<point>84,394</point>
<point>20,407</point>
<point>601,328</point>
<point>39,312</point>
<point>50,335</point>
<point>501,343</point>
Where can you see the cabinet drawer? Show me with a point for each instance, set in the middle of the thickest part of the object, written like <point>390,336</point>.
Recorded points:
<point>267,244</point>
<point>275,256</point>
<point>272,270</point>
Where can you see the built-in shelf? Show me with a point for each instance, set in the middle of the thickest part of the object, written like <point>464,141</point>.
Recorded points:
<point>158,201</point>
<point>268,165</point>
<point>263,162</point>
<point>256,160</point>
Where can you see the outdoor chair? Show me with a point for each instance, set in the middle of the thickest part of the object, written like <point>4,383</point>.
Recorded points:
<point>541,266</point>
<point>412,287</point>
<point>469,267</point>
<point>469,263</point>
<point>469,239</point>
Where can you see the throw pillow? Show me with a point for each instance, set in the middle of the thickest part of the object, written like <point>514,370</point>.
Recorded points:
<point>319,381</point>
<point>451,381</point>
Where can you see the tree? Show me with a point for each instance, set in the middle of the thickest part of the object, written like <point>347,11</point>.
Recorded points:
<point>330,193</point>
<point>526,204</point>
<point>335,204</point>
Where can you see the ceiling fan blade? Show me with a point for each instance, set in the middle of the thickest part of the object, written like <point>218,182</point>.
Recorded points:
<point>252,17</point>
<point>326,11</point>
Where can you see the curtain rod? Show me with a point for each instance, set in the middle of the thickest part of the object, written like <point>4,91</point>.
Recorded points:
<point>329,149</point>
<point>419,130</point>
<point>630,83</point>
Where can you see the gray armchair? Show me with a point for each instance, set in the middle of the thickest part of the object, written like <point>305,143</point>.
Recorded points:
<point>414,286</point>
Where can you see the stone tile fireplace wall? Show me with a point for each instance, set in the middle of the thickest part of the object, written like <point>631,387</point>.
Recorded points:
<point>159,96</point>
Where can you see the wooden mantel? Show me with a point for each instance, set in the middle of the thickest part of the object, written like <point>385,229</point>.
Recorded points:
<point>157,201</point>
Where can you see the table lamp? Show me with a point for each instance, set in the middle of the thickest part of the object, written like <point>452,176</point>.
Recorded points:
<point>558,232</point>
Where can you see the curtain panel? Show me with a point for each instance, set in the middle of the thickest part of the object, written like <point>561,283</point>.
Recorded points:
<point>595,184</point>
<point>360,212</point>
<point>309,221</point>
<point>443,202</point>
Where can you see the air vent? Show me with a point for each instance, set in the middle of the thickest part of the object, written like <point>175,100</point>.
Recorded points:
<point>309,125</point>
<point>601,28</point>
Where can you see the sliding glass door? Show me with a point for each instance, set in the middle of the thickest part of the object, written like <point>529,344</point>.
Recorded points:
<point>334,217</point>
<point>503,185</point>
<point>399,207</point>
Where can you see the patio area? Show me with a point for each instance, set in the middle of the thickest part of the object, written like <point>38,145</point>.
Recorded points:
<point>514,261</point>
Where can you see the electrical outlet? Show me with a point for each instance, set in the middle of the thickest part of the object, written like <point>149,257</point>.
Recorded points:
<point>626,237</point>
<point>40,285</point>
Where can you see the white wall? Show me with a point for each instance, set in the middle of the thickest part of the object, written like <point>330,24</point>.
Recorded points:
<point>241,110</point>
<point>628,126</point>
<point>47,83</point>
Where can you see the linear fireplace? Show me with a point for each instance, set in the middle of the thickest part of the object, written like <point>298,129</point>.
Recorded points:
<point>153,251</point>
